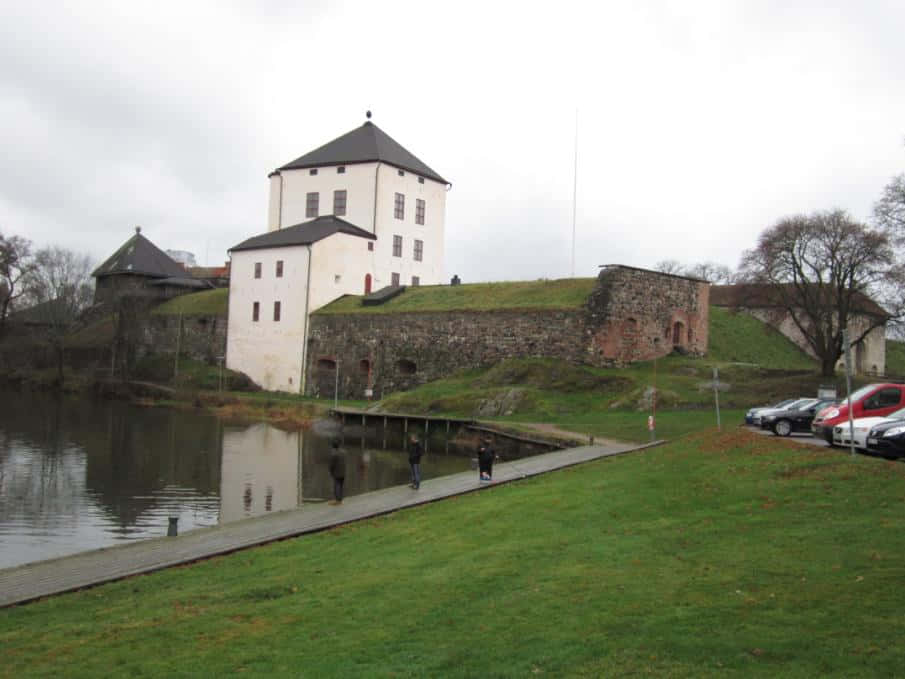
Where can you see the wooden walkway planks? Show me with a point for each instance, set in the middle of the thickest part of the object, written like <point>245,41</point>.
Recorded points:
<point>43,578</point>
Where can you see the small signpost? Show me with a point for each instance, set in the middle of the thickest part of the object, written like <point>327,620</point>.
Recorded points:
<point>717,385</point>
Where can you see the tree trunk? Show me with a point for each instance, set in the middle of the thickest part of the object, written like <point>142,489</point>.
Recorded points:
<point>828,366</point>
<point>60,365</point>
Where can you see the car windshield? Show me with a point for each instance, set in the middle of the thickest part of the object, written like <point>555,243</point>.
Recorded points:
<point>796,404</point>
<point>782,404</point>
<point>862,392</point>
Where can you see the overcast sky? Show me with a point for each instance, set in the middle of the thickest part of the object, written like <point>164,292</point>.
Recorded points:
<point>699,123</point>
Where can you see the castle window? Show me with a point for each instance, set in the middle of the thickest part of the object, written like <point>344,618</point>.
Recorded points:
<point>399,206</point>
<point>406,367</point>
<point>257,269</point>
<point>341,169</point>
<point>326,364</point>
<point>394,279</point>
<point>255,311</point>
<point>339,202</point>
<point>397,246</point>
<point>419,211</point>
<point>419,250</point>
<point>420,180</point>
<point>279,268</point>
<point>276,311</point>
<point>401,173</point>
<point>370,246</point>
<point>311,204</point>
<point>416,280</point>
<point>312,171</point>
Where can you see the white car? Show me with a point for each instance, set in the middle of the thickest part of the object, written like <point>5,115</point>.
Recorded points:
<point>797,404</point>
<point>861,427</point>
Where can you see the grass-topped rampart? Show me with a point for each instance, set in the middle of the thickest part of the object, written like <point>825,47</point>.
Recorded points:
<point>567,293</point>
<point>718,555</point>
<point>205,303</point>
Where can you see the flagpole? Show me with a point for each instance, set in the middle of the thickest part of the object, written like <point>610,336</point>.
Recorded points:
<point>574,191</point>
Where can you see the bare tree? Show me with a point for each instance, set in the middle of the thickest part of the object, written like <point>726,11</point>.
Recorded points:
<point>16,263</point>
<point>718,274</point>
<point>59,288</point>
<point>889,211</point>
<point>670,266</point>
<point>824,269</point>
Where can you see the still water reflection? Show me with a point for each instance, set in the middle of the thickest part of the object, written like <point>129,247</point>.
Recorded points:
<point>78,474</point>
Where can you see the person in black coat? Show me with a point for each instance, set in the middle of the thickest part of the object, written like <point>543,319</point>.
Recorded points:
<point>416,450</point>
<point>485,460</point>
<point>337,467</point>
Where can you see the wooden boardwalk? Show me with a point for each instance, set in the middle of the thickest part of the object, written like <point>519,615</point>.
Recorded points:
<point>43,578</point>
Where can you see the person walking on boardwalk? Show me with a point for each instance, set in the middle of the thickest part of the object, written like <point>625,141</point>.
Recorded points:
<point>415,452</point>
<point>485,461</point>
<point>337,469</point>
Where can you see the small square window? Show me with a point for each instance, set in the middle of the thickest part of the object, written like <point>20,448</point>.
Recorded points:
<point>416,280</point>
<point>341,169</point>
<point>420,180</point>
<point>279,268</point>
<point>397,246</point>
<point>257,269</point>
<point>311,204</point>
<point>255,311</point>
<point>399,206</point>
<point>370,246</point>
<point>276,311</point>
<point>394,279</point>
<point>401,173</point>
<point>337,278</point>
<point>419,250</point>
<point>312,171</point>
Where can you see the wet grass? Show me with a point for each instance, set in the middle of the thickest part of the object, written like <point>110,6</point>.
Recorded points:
<point>720,555</point>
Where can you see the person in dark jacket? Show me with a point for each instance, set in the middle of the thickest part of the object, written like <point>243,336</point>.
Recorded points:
<point>337,469</point>
<point>416,450</point>
<point>485,461</point>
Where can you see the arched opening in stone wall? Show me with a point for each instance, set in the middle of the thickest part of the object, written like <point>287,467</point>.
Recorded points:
<point>326,364</point>
<point>406,367</point>
<point>677,333</point>
<point>364,365</point>
<point>630,328</point>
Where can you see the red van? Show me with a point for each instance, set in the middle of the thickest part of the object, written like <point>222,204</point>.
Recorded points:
<point>874,400</point>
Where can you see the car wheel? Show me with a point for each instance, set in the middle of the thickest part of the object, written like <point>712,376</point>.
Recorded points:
<point>782,428</point>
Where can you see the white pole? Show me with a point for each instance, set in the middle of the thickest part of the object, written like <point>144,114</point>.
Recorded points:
<point>574,192</point>
<point>716,396</point>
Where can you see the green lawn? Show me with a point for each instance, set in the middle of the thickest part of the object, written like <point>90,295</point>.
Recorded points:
<point>720,555</point>
<point>895,358</point>
<point>738,337</point>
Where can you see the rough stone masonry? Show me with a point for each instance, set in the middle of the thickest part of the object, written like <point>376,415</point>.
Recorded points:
<point>631,315</point>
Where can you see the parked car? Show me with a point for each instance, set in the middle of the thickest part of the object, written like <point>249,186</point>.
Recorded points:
<point>861,428</point>
<point>887,438</point>
<point>784,422</point>
<point>749,416</point>
<point>794,405</point>
<point>874,400</point>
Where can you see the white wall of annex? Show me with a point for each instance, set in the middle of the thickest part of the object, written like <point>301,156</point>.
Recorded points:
<point>339,264</point>
<point>273,204</point>
<point>431,270</point>
<point>357,180</point>
<point>268,351</point>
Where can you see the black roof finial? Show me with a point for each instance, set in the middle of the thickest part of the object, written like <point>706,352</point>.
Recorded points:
<point>368,115</point>
<point>137,229</point>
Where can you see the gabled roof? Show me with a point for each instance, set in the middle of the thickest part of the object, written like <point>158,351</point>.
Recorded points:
<point>303,234</point>
<point>756,295</point>
<point>365,144</point>
<point>140,256</point>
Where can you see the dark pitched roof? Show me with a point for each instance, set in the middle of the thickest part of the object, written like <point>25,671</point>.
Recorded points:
<point>365,144</point>
<point>303,234</point>
<point>138,255</point>
<point>755,295</point>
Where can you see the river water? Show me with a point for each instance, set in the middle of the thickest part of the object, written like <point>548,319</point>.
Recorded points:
<point>78,473</point>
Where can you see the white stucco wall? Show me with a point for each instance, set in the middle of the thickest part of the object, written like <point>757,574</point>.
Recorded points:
<point>357,180</point>
<point>269,352</point>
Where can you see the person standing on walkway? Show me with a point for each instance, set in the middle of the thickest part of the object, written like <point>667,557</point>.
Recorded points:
<point>337,469</point>
<point>415,452</point>
<point>485,461</point>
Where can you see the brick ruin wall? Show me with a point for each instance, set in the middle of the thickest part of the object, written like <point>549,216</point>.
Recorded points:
<point>631,315</point>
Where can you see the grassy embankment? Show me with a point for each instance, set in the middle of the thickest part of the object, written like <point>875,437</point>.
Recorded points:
<point>717,555</point>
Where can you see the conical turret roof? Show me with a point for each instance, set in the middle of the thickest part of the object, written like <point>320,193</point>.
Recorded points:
<point>138,255</point>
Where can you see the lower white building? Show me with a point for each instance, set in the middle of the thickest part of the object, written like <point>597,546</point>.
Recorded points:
<point>276,280</point>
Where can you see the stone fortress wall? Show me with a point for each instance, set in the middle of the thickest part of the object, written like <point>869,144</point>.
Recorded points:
<point>631,315</point>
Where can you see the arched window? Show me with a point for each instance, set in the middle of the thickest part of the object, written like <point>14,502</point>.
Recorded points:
<point>630,328</point>
<point>406,367</point>
<point>326,364</point>
<point>364,365</point>
<point>677,329</point>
